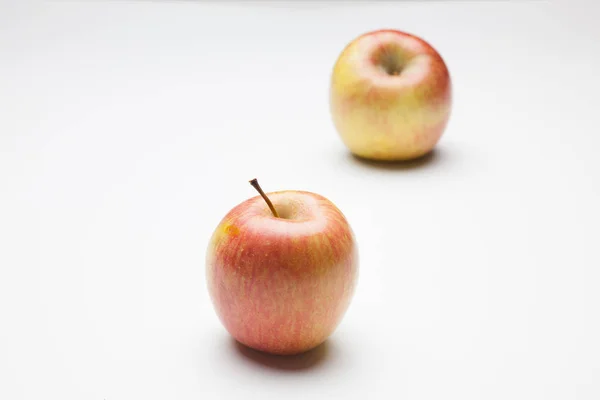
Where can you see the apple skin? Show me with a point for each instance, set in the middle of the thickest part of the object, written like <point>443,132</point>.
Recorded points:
<point>390,115</point>
<point>282,285</point>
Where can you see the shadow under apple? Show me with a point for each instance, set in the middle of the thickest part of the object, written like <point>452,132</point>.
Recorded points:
<point>303,361</point>
<point>433,158</point>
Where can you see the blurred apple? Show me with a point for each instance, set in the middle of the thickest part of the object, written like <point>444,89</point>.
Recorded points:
<point>390,96</point>
<point>281,270</point>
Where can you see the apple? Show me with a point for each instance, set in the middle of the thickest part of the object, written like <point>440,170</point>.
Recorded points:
<point>390,96</point>
<point>281,270</point>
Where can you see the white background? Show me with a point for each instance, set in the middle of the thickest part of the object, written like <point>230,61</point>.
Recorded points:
<point>129,129</point>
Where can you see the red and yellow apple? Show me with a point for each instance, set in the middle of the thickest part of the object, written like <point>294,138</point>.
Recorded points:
<point>281,270</point>
<point>390,96</point>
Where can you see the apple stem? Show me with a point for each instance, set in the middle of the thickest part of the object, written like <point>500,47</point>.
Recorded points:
<point>255,185</point>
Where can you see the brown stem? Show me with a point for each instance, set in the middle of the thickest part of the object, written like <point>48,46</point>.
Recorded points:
<point>255,185</point>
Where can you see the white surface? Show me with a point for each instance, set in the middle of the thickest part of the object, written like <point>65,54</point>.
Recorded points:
<point>128,129</point>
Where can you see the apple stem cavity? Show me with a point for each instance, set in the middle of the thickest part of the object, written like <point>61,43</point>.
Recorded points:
<point>255,185</point>
<point>391,65</point>
<point>388,59</point>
